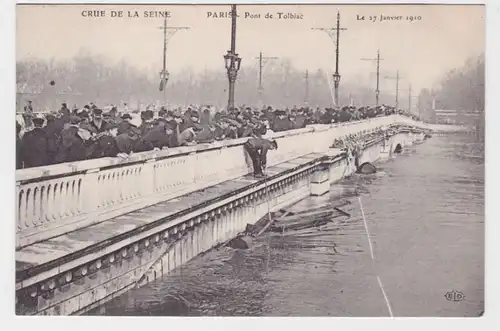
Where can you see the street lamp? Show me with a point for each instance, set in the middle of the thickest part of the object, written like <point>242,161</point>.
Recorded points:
<point>336,79</point>
<point>237,61</point>
<point>164,76</point>
<point>232,61</point>
<point>233,64</point>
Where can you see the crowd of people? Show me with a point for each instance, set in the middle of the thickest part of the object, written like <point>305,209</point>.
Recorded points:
<point>90,132</point>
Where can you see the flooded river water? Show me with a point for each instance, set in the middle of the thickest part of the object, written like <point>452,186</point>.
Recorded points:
<point>425,214</point>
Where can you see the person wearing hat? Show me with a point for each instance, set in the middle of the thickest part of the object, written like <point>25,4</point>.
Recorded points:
<point>206,134</point>
<point>257,150</point>
<point>28,108</point>
<point>28,115</point>
<point>19,161</point>
<point>148,123</point>
<point>246,128</point>
<point>126,127</point>
<point>205,117</point>
<point>157,138</point>
<point>186,137</point>
<point>72,146</point>
<point>98,124</point>
<point>52,131</point>
<point>105,144</point>
<point>86,124</point>
<point>281,122</point>
<point>344,115</point>
<point>221,127</point>
<point>34,145</point>
<point>128,134</point>
<point>232,131</point>
<point>190,121</point>
<point>300,119</point>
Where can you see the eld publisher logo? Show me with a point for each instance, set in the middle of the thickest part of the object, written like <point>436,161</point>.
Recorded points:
<point>454,296</point>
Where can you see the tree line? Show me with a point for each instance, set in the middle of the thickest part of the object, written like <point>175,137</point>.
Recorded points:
<point>87,77</point>
<point>459,89</point>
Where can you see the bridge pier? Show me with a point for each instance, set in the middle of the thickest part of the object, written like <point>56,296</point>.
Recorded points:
<point>320,181</point>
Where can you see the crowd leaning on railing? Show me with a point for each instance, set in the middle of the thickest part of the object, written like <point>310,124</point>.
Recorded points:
<point>76,134</point>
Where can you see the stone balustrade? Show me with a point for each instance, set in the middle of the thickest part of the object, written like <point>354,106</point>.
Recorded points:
<point>57,199</point>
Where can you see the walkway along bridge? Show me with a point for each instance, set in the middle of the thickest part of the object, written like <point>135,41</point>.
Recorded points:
<point>89,231</point>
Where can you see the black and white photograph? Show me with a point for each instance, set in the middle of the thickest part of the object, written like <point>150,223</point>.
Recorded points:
<point>250,160</point>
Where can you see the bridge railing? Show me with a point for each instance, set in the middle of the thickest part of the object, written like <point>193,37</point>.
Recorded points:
<point>57,199</point>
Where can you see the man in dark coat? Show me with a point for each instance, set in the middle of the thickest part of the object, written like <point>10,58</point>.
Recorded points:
<point>34,146</point>
<point>104,146</point>
<point>126,127</point>
<point>127,135</point>
<point>344,115</point>
<point>190,119</point>
<point>19,161</point>
<point>257,149</point>
<point>206,135</point>
<point>98,123</point>
<point>71,146</point>
<point>281,122</point>
<point>64,108</point>
<point>328,116</point>
<point>148,123</point>
<point>206,117</point>
<point>300,119</point>
<point>28,115</point>
<point>155,138</point>
<point>52,132</point>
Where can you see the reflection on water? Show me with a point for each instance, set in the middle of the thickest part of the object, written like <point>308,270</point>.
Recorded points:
<point>425,213</point>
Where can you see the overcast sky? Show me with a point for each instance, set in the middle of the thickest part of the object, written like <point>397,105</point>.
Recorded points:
<point>444,37</point>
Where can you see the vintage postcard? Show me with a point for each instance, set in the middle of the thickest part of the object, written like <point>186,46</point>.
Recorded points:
<point>250,160</point>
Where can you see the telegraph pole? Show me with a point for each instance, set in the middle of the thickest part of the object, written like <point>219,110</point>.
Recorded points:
<point>409,98</point>
<point>306,98</point>
<point>262,62</point>
<point>232,61</point>
<point>335,38</point>
<point>397,87</point>
<point>377,90</point>
<point>164,74</point>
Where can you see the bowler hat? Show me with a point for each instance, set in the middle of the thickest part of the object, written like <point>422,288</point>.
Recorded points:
<point>74,120</point>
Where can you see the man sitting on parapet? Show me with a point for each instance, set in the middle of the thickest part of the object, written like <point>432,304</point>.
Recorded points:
<point>257,149</point>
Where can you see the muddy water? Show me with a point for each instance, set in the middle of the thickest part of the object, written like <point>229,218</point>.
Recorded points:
<point>425,214</point>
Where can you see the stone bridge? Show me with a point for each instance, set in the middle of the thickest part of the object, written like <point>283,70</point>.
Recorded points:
<point>88,231</point>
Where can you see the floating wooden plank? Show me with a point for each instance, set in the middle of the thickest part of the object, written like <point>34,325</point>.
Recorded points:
<point>342,212</point>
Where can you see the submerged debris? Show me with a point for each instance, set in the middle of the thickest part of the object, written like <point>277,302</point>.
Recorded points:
<point>367,169</point>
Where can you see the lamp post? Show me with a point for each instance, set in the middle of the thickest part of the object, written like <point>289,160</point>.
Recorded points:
<point>232,61</point>
<point>335,38</point>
